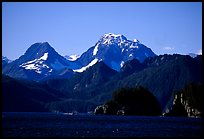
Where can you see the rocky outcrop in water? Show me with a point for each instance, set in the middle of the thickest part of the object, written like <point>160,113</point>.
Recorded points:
<point>188,102</point>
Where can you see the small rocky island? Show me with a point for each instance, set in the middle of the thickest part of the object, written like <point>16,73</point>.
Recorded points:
<point>131,101</point>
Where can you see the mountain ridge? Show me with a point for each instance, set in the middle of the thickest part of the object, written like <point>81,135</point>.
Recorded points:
<point>94,86</point>
<point>41,60</point>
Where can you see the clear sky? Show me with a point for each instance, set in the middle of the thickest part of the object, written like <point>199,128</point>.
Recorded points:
<point>73,27</point>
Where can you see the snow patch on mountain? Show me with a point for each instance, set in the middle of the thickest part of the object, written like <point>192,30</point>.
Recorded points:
<point>37,64</point>
<point>89,65</point>
<point>133,46</point>
<point>111,38</point>
<point>112,35</point>
<point>44,57</point>
<point>50,70</point>
<point>72,57</point>
<point>135,40</point>
<point>122,49</point>
<point>95,49</point>
<point>122,63</point>
<point>130,55</point>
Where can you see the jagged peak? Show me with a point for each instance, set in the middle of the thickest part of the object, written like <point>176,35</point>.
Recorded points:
<point>112,35</point>
<point>110,38</point>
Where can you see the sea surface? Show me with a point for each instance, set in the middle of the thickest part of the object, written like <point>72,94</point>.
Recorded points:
<point>29,124</point>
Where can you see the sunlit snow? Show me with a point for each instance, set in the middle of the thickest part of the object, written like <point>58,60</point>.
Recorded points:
<point>122,63</point>
<point>36,64</point>
<point>89,65</point>
<point>133,46</point>
<point>135,40</point>
<point>95,50</point>
<point>44,57</point>
<point>113,38</point>
<point>130,55</point>
<point>73,57</point>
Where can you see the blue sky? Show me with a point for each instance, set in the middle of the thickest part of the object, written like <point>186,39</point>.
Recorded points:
<point>73,27</point>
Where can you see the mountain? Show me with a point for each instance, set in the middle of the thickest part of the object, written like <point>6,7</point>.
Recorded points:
<point>42,62</point>
<point>162,75</point>
<point>114,50</point>
<point>5,61</point>
<point>131,66</point>
<point>39,61</point>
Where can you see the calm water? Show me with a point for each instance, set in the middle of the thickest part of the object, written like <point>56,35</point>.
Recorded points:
<point>59,125</point>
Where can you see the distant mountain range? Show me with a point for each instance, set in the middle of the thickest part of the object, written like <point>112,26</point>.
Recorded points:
<point>80,83</point>
<point>41,61</point>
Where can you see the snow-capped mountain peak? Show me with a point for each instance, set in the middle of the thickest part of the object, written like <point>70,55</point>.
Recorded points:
<point>112,38</point>
<point>43,59</point>
<point>109,39</point>
<point>112,49</point>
